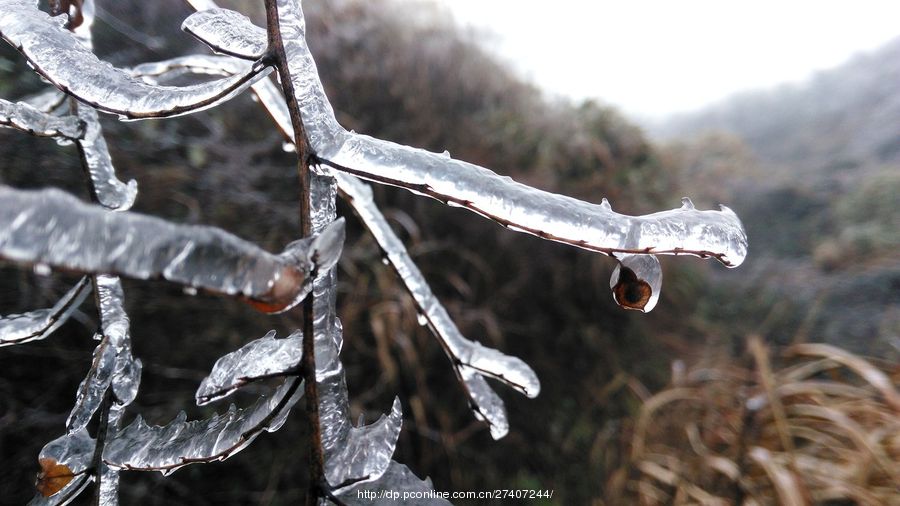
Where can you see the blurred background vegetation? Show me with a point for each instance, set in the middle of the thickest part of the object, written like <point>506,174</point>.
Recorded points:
<point>812,170</point>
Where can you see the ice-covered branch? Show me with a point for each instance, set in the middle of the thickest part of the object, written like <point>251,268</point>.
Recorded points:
<point>708,234</point>
<point>52,228</point>
<point>56,54</point>
<point>24,117</point>
<point>108,189</point>
<point>227,32</point>
<point>40,323</point>
<point>144,447</point>
<point>64,469</point>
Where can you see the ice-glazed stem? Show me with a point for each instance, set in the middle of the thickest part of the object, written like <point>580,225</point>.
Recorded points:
<point>54,229</point>
<point>715,234</point>
<point>56,54</point>
<point>24,117</point>
<point>107,189</point>
<point>40,323</point>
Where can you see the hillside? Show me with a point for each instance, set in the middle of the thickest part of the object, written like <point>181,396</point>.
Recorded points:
<point>813,169</point>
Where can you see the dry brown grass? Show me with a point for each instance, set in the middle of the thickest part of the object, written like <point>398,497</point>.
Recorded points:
<point>816,425</point>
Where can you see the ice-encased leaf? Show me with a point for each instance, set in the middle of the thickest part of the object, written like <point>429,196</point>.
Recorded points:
<point>398,485</point>
<point>59,57</point>
<point>53,228</point>
<point>715,234</point>
<point>181,442</point>
<point>227,32</point>
<point>91,390</point>
<point>262,358</point>
<point>366,451</point>
<point>110,192</point>
<point>73,451</point>
<point>636,282</point>
<point>40,323</point>
<point>26,118</point>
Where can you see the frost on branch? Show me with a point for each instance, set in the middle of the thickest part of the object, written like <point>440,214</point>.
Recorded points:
<point>182,442</point>
<point>27,118</point>
<point>59,57</point>
<point>53,228</point>
<point>40,323</point>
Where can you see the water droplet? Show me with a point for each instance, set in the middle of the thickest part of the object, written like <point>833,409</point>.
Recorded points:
<point>385,261</point>
<point>446,154</point>
<point>288,147</point>
<point>423,320</point>
<point>190,290</point>
<point>42,269</point>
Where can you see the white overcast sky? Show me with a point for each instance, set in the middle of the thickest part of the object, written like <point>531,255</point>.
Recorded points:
<point>656,57</point>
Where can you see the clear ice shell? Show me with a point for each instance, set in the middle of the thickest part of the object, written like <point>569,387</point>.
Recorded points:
<point>714,234</point>
<point>54,228</point>
<point>40,323</point>
<point>257,359</point>
<point>24,117</point>
<point>636,282</point>
<point>227,32</point>
<point>75,452</point>
<point>59,56</point>
<point>182,442</point>
<point>110,192</point>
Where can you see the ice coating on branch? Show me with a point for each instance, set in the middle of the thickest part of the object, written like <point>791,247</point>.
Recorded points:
<point>636,282</point>
<point>53,228</point>
<point>262,358</point>
<point>716,234</point>
<point>24,117</point>
<point>110,192</point>
<point>469,358</point>
<point>46,101</point>
<point>182,442</point>
<point>461,351</point>
<point>397,479</point>
<point>351,453</point>
<point>227,32</point>
<point>191,64</point>
<point>73,451</point>
<point>60,58</point>
<point>40,323</point>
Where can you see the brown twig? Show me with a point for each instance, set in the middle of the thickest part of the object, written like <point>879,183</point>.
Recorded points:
<point>275,53</point>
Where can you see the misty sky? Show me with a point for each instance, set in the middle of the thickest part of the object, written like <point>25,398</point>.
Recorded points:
<point>655,57</point>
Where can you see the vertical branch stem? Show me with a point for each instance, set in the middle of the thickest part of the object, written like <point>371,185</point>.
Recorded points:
<point>318,486</point>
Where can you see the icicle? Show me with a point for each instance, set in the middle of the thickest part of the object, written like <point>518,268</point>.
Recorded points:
<point>636,282</point>
<point>58,56</point>
<point>56,229</point>
<point>24,117</point>
<point>261,358</point>
<point>38,324</point>
<point>166,448</point>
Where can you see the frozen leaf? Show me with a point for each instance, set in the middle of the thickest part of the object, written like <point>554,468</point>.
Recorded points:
<point>53,477</point>
<point>53,228</point>
<point>181,442</point>
<point>227,32</point>
<point>63,464</point>
<point>707,234</point>
<point>110,192</point>
<point>26,118</point>
<point>398,485</point>
<point>262,358</point>
<point>38,324</point>
<point>93,387</point>
<point>636,282</point>
<point>59,57</point>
